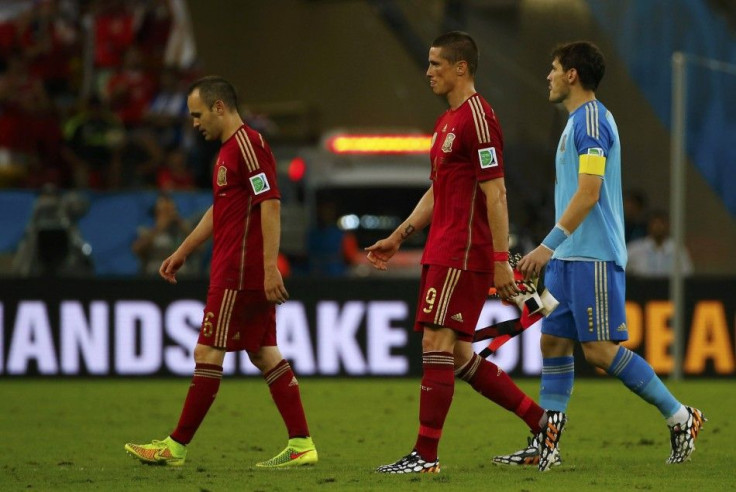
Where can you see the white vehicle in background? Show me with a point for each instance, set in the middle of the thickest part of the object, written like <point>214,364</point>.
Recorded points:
<point>371,179</point>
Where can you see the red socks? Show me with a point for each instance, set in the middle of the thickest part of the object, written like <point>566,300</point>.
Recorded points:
<point>202,392</point>
<point>490,381</point>
<point>438,386</point>
<point>285,393</point>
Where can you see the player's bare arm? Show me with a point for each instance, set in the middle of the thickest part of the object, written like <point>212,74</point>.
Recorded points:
<point>196,238</point>
<point>273,283</point>
<point>583,201</point>
<point>498,221</point>
<point>381,252</point>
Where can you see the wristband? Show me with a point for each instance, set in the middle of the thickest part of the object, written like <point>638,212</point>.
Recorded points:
<point>555,237</point>
<point>500,256</point>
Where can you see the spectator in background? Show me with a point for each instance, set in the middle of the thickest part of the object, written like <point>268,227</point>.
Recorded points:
<point>140,159</point>
<point>166,115</point>
<point>330,249</point>
<point>155,29</point>
<point>635,223</point>
<point>652,256</point>
<point>94,139</point>
<point>181,49</point>
<point>154,244</point>
<point>114,24</point>
<point>175,174</point>
<point>30,137</point>
<point>130,89</point>
<point>50,39</point>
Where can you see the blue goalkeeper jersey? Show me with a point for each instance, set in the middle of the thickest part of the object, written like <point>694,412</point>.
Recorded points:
<point>590,144</point>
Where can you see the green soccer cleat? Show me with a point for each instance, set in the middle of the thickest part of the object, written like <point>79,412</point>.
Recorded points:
<point>166,452</point>
<point>299,452</point>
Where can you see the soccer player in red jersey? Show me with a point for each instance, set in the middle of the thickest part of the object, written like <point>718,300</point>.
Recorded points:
<point>466,252</point>
<point>245,283</point>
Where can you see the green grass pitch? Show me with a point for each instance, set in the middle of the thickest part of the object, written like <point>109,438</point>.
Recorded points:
<point>69,435</point>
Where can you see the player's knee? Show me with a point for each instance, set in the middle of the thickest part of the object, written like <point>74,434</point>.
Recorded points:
<point>266,358</point>
<point>438,339</point>
<point>462,354</point>
<point>257,359</point>
<point>598,354</point>
<point>204,354</point>
<point>556,346</point>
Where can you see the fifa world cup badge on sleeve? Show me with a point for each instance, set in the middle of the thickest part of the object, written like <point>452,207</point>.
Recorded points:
<point>487,157</point>
<point>259,182</point>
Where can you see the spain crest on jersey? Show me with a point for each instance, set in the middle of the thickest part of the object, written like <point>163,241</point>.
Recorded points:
<point>221,176</point>
<point>447,145</point>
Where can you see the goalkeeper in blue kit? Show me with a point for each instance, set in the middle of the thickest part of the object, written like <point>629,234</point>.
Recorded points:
<point>585,257</point>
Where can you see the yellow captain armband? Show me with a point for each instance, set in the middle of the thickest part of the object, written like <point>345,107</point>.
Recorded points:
<point>594,162</point>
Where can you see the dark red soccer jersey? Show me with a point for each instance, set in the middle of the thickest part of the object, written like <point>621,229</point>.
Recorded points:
<point>467,148</point>
<point>244,176</point>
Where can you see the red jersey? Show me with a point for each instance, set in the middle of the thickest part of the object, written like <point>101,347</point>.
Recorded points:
<point>467,148</point>
<point>244,176</point>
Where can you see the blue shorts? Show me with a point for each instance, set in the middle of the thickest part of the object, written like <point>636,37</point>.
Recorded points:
<point>592,297</point>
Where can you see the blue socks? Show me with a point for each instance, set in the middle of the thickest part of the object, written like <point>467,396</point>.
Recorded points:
<point>639,377</point>
<point>558,375</point>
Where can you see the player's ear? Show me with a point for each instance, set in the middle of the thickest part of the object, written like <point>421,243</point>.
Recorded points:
<point>461,67</point>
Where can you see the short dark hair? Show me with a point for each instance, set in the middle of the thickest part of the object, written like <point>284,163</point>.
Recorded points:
<point>586,58</point>
<point>458,46</point>
<point>213,88</point>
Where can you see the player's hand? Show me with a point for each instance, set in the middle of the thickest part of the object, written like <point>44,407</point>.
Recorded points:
<point>503,280</point>
<point>170,266</point>
<point>381,252</point>
<point>273,285</point>
<point>532,264</point>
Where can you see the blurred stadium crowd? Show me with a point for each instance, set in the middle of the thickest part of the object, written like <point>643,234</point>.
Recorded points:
<point>92,95</point>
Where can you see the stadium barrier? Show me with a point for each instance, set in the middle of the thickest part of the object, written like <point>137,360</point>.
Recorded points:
<point>346,327</point>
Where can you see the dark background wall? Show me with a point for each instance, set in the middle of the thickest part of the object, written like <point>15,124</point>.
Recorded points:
<point>341,59</point>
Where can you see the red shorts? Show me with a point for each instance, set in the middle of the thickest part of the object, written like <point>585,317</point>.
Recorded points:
<point>451,298</point>
<point>238,320</point>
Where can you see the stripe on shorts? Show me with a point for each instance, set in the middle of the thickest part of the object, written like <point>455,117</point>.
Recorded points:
<point>223,319</point>
<point>451,280</point>
<point>601,300</point>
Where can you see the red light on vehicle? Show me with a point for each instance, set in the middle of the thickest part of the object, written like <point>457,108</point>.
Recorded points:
<point>380,144</point>
<point>297,168</point>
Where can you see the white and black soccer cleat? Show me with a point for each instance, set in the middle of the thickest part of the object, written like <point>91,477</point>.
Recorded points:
<point>683,436</point>
<point>550,439</point>
<point>529,456</point>
<point>411,463</point>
